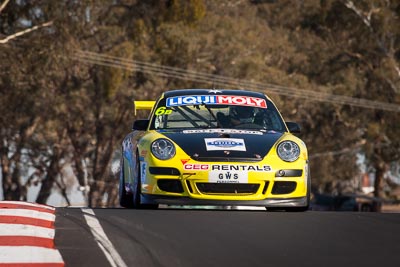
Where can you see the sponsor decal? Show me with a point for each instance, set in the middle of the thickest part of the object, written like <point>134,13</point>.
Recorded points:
<point>127,144</point>
<point>143,153</point>
<point>216,100</point>
<point>226,167</point>
<point>162,111</point>
<point>143,142</point>
<point>241,167</point>
<point>220,131</point>
<point>184,161</point>
<point>233,144</point>
<point>228,177</point>
<point>191,167</point>
<point>143,166</point>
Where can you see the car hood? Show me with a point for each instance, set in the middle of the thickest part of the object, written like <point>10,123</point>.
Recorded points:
<point>224,144</point>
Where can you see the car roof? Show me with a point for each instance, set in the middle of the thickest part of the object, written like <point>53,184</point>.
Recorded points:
<point>181,92</point>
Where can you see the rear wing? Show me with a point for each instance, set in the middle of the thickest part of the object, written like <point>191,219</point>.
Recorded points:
<point>143,105</point>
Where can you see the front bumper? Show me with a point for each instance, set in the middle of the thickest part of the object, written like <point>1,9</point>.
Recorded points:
<point>262,189</point>
<point>271,183</point>
<point>270,202</point>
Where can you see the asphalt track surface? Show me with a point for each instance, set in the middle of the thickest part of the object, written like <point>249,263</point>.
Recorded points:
<point>184,237</point>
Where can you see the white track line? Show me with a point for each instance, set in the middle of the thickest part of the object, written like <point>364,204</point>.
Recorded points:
<point>102,240</point>
<point>27,254</point>
<point>28,213</point>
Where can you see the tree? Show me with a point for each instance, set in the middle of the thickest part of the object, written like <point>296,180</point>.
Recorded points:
<point>374,47</point>
<point>20,94</point>
<point>346,48</point>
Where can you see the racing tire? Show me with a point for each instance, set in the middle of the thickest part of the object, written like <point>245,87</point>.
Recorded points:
<point>125,200</point>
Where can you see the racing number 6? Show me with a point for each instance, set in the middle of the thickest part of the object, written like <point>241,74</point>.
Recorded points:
<point>162,111</point>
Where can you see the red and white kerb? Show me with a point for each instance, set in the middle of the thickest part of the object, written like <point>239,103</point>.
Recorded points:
<point>27,235</point>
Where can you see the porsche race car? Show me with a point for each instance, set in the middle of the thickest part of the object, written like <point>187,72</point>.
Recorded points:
<point>214,147</point>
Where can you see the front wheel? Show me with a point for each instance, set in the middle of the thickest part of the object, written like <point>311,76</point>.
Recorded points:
<point>125,200</point>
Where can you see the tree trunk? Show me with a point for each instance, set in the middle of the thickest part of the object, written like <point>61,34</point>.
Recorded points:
<point>378,184</point>
<point>48,182</point>
<point>11,183</point>
<point>45,189</point>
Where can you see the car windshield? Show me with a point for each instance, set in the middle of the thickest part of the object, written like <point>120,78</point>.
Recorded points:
<point>200,115</point>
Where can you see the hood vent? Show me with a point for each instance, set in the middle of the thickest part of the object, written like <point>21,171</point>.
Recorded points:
<point>226,159</point>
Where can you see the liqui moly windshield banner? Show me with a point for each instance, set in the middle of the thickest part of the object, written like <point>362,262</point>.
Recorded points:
<point>216,100</point>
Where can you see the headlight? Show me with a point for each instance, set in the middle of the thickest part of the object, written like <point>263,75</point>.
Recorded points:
<point>288,151</point>
<point>163,149</point>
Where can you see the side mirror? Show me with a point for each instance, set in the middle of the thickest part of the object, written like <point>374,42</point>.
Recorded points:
<point>140,125</point>
<point>293,127</point>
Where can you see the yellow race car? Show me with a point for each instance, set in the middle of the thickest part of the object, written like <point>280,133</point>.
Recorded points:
<point>214,147</point>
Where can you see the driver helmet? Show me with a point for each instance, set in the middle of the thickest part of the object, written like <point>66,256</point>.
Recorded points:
<point>243,114</point>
